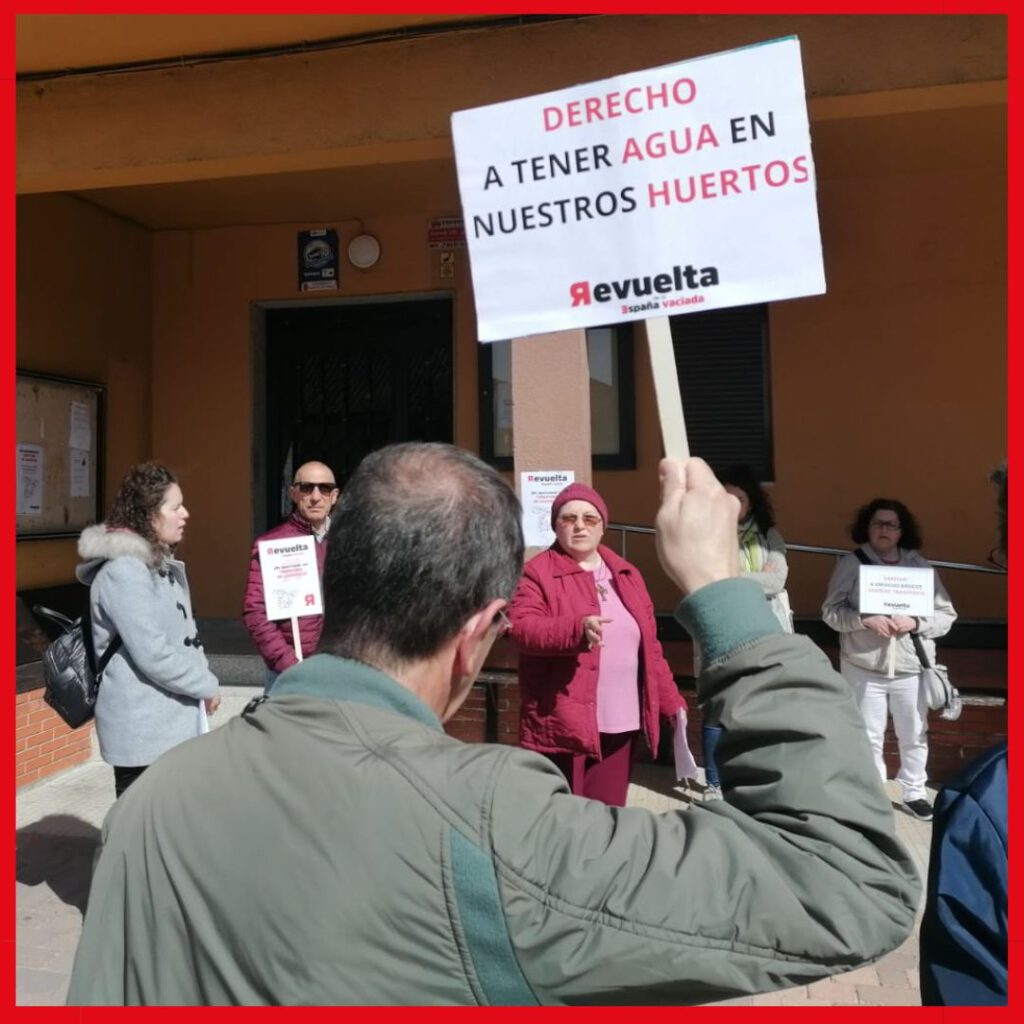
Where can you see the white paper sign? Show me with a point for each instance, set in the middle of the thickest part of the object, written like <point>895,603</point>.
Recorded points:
<point>81,430</point>
<point>893,590</point>
<point>686,766</point>
<point>291,581</point>
<point>538,489</point>
<point>30,480</point>
<point>681,188</point>
<point>79,467</point>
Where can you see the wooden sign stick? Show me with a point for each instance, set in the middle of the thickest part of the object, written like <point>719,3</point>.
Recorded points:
<point>295,637</point>
<point>666,388</point>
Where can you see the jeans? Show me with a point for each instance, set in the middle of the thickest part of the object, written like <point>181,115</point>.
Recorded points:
<point>709,737</point>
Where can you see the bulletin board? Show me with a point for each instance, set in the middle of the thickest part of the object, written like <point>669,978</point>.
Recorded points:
<point>59,451</point>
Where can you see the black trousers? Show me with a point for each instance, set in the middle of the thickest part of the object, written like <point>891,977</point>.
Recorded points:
<point>124,777</point>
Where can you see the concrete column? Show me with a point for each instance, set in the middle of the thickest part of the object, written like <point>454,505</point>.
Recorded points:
<point>551,405</point>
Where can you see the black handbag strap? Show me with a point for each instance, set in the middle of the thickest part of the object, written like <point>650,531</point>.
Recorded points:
<point>862,557</point>
<point>90,651</point>
<point>919,647</point>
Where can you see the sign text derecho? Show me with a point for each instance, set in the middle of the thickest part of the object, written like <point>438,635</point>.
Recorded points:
<point>680,188</point>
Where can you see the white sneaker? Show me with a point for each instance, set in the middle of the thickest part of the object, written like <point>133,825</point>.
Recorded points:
<point>713,793</point>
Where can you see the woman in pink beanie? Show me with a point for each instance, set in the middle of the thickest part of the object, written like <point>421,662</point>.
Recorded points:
<point>592,673</point>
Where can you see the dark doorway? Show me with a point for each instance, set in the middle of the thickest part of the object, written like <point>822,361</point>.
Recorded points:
<point>344,380</point>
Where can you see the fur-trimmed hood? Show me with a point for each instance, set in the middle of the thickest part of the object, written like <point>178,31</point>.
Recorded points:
<point>98,544</point>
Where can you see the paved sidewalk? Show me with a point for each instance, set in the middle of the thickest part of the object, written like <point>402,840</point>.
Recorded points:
<point>59,820</point>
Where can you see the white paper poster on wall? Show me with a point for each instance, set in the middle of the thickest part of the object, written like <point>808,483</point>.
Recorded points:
<point>894,590</point>
<point>30,480</point>
<point>291,580</point>
<point>78,465</point>
<point>81,428</point>
<point>538,489</point>
<point>680,188</point>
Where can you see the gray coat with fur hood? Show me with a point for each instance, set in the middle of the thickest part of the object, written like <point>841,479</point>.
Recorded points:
<point>149,700</point>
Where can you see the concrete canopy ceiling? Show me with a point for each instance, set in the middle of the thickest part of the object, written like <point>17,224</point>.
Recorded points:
<point>334,195</point>
<point>56,43</point>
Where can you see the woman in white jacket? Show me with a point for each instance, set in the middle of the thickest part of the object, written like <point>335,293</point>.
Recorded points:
<point>888,534</point>
<point>157,688</point>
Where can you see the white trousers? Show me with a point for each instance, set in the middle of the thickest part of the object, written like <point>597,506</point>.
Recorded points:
<point>876,697</point>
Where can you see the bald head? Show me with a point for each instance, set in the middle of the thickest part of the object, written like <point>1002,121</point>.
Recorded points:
<point>314,503</point>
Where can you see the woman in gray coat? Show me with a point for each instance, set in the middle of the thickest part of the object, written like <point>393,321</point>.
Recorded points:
<point>158,687</point>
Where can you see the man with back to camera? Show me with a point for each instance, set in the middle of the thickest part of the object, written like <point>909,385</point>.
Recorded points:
<point>393,864</point>
<point>314,494</point>
<point>965,926</point>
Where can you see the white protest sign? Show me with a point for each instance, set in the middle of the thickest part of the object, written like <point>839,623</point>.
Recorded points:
<point>291,581</point>
<point>681,188</point>
<point>893,590</point>
<point>538,489</point>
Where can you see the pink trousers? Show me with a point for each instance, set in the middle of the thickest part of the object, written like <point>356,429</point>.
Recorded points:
<point>606,780</point>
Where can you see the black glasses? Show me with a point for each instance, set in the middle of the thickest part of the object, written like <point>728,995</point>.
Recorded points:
<point>308,488</point>
<point>504,624</point>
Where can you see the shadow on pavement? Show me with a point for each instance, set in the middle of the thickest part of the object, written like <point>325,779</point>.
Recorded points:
<point>58,851</point>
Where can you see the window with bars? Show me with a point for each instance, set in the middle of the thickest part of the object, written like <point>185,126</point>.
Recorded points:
<point>723,366</point>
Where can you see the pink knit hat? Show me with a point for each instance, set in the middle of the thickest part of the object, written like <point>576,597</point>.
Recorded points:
<point>579,492</point>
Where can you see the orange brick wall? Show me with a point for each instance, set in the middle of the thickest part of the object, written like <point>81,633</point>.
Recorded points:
<point>44,744</point>
<point>951,744</point>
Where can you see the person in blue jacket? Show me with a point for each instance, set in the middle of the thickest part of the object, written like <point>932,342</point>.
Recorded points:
<point>964,929</point>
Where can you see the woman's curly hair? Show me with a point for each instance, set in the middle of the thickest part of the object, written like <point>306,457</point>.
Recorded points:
<point>910,537</point>
<point>139,498</point>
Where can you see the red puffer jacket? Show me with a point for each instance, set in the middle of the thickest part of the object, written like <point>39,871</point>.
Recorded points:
<point>558,675</point>
<point>274,639</point>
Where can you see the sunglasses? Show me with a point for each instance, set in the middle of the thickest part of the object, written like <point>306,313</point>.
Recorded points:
<point>308,488</point>
<point>588,520</point>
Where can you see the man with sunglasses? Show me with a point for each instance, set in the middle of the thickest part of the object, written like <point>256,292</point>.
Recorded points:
<point>356,854</point>
<point>314,494</point>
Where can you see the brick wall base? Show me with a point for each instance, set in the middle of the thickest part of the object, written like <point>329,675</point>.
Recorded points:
<point>951,744</point>
<point>44,744</point>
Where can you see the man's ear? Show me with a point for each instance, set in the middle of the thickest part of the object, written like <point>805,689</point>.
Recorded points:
<point>471,646</point>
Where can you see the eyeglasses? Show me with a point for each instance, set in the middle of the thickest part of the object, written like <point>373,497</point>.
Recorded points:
<point>504,624</point>
<point>589,520</point>
<point>884,524</point>
<point>308,488</point>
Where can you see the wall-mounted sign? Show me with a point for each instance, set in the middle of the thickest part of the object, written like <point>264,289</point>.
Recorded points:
<point>446,233</point>
<point>681,188</point>
<point>893,590</point>
<point>318,260</point>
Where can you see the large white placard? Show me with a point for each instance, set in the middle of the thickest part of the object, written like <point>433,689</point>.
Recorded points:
<point>893,590</point>
<point>681,188</point>
<point>291,580</point>
<point>538,489</point>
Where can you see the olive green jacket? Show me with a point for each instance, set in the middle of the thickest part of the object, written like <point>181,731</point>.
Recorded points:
<point>335,846</point>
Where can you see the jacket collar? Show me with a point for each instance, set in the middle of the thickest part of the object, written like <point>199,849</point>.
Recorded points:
<point>564,565</point>
<point>306,526</point>
<point>327,677</point>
